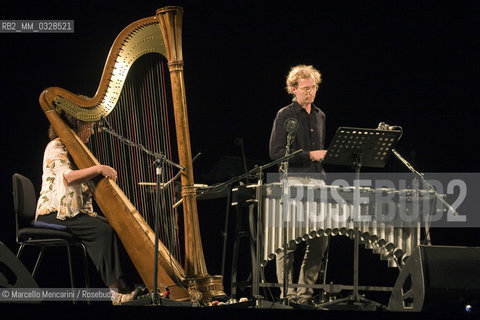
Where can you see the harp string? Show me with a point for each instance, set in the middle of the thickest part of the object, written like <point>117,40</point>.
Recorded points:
<point>168,196</point>
<point>176,234</point>
<point>170,193</point>
<point>141,115</point>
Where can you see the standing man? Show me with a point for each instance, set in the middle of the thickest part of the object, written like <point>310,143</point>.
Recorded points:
<point>302,83</point>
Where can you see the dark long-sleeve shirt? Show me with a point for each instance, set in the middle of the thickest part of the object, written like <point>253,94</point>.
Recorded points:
<point>309,136</point>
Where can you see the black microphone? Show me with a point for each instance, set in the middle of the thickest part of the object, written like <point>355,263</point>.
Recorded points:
<point>291,125</point>
<point>100,125</point>
<point>103,124</point>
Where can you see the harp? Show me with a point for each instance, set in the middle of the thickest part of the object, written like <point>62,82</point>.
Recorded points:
<point>159,35</point>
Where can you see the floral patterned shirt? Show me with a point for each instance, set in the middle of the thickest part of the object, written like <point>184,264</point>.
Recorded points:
<point>56,196</point>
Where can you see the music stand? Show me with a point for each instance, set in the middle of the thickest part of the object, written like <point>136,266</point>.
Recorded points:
<point>359,147</point>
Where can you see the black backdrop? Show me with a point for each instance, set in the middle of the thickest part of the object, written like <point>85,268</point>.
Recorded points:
<point>408,63</point>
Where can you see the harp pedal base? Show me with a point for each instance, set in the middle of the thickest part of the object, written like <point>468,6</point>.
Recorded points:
<point>206,289</point>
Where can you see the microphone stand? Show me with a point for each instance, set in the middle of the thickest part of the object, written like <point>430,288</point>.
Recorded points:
<point>258,173</point>
<point>430,188</point>
<point>284,201</point>
<point>255,172</point>
<point>384,126</point>
<point>159,164</point>
<point>160,161</point>
<point>239,141</point>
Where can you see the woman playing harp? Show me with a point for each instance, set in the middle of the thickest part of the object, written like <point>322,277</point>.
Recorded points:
<point>65,199</point>
<point>154,38</point>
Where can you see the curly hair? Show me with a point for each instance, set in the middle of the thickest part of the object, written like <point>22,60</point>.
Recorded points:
<point>300,72</point>
<point>70,120</point>
<point>73,122</point>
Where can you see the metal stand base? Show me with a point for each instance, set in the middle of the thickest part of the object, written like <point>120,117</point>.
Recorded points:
<point>355,298</point>
<point>350,303</point>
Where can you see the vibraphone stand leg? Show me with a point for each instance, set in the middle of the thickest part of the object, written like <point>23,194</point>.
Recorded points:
<point>239,235</point>
<point>225,230</point>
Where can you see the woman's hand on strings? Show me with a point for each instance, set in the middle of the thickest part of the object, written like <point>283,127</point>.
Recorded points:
<point>108,172</point>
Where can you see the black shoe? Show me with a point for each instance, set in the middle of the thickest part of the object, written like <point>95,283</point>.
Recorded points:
<point>302,303</point>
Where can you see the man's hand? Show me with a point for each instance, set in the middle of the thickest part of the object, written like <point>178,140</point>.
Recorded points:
<point>317,155</point>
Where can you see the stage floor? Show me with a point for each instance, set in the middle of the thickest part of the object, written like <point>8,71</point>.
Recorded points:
<point>241,311</point>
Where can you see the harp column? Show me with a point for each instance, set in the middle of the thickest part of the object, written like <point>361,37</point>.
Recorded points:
<point>199,282</point>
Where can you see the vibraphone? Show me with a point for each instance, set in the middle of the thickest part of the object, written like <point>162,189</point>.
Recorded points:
<point>388,220</point>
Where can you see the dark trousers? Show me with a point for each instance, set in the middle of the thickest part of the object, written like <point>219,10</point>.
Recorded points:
<point>100,240</point>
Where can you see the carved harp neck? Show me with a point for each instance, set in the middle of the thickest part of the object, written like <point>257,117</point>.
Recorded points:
<point>136,40</point>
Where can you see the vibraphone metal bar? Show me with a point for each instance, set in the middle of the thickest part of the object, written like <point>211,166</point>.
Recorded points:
<point>389,220</point>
